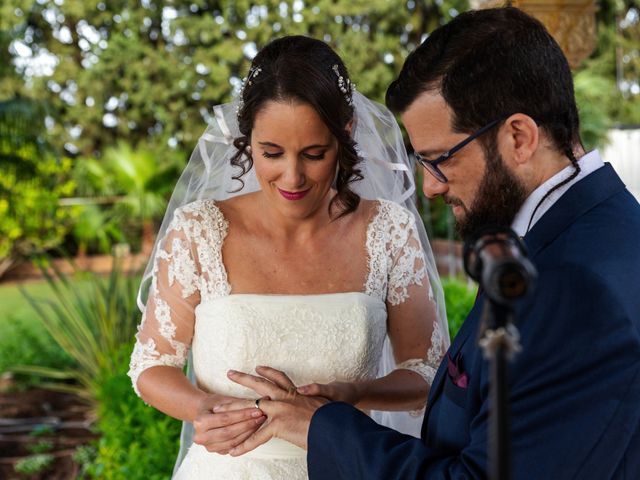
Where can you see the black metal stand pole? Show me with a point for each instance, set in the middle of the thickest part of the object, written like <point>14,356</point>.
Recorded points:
<point>499,341</point>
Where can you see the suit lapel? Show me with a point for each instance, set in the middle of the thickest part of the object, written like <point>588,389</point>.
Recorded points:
<point>579,199</point>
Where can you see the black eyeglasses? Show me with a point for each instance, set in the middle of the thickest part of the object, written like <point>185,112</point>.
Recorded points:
<point>432,165</point>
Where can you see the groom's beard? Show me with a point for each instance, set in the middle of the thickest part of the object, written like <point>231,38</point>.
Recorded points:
<point>500,196</point>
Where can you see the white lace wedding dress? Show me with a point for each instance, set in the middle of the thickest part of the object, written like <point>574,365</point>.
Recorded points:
<point>313,338</point>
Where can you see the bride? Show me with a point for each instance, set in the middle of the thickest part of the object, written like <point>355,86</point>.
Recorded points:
<point>291,241</point>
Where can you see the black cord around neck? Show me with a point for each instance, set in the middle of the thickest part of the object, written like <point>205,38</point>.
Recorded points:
<point>574,161</point>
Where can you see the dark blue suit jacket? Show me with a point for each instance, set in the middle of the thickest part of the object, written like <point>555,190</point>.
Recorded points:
<point>574,389</point>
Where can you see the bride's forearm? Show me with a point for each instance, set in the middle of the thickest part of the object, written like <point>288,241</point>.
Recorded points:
<point>401,390</point>
<point>170,391</point>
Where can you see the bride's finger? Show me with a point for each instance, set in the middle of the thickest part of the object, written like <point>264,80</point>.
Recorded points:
<point>237,405</point>
<point>260,385</point>
<point>277,377</point>
<point>224,447</point>
<point>221,439</point>
<point>233,406</point>
<point>260,437</point>
<point>210,421</point>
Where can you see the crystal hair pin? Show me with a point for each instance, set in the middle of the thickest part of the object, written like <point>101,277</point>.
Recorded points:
<point>246,82</point>
<point>346,87</point>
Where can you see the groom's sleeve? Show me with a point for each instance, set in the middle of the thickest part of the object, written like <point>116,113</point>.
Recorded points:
<point>346,444</point>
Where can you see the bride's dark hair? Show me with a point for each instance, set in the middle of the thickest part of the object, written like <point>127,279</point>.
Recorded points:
<point>302,69</point>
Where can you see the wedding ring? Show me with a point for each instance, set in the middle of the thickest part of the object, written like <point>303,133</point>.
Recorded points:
<point>257,402</point>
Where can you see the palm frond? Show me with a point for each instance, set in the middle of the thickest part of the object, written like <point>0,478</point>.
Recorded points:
<point>91,320</point>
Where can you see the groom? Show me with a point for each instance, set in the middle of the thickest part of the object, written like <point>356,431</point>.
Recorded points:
<point>488,103</point>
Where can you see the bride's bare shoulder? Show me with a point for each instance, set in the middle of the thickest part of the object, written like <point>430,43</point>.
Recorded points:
<point>237,207</point>
<point>367,209</point>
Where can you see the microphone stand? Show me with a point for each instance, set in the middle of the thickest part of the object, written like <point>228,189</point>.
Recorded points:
<point>499,341</point>
<point>496,258</point>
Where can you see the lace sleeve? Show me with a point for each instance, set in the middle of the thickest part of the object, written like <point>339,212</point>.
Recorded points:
<point>166,329</point>
<point>419,340</point>
<point>408,266</point>
<point>427,367</point>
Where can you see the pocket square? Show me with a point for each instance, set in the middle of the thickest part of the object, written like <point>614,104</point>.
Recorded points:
<point>457,376</point>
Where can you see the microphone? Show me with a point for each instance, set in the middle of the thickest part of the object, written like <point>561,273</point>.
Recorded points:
<point>496,258</point>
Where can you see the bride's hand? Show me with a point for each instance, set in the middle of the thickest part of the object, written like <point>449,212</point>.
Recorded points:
<point>289,414</point>
<point>220,432</point>
<point>336,391</point>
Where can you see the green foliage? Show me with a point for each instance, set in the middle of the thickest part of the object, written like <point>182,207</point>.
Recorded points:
<point>96,227</point>
<point>23,340</point>
<point>137,186</point>
<point>90,325</point>
<point>594,94</point>
<point>436,214</point>
<point>150,71</point>
<point>22,344</point>
<point>32,180</point>
<point>144,182</point>
<point>41,447</point>
<point>94,321</point>
<point>84,456</point>
<point>604,84</point>
<point>21,122</point>
<point>459,298</point>
<point>137,441</point>
<point>30,218</point>
<point>42,431</point>
<point>34,464</point>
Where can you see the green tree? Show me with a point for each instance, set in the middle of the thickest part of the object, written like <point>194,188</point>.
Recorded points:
<point>608,83</point>
<point>150,71</point>
<point>32,175</point>
<point>32,179</point>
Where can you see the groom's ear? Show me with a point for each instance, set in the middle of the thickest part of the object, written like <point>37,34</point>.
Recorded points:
<point>519,144</point>
<point>518,140</point>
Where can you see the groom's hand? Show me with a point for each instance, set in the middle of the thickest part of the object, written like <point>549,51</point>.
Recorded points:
<point>288,420</point>
<point>288,414</point>
<point>347,392</point>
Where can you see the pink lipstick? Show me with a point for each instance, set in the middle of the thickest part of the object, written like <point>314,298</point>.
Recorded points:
<point>293,195</point>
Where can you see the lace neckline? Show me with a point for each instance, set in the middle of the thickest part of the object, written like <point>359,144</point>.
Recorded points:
<point>373,231</point>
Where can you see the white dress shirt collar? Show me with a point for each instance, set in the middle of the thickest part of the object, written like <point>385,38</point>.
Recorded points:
<point>588,164</point>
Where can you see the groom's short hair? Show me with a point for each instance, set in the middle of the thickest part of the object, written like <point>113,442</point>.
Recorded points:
<point>488,64</point>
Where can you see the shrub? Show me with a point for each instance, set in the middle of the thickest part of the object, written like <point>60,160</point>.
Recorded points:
<point>459,298</point>
<point>23,344</point>
<point>34,464</point>
<point>32,179</point>
<point>95,325</point>
<point>137,441</point>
